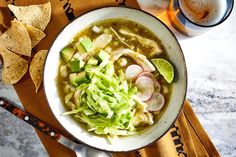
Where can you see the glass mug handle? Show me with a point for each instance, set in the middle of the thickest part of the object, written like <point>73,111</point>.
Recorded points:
<point>184,16</point>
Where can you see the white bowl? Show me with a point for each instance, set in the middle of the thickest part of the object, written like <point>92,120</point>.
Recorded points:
<point>174,52</point>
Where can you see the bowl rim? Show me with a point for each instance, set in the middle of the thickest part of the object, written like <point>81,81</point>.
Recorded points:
<point>185,73</point>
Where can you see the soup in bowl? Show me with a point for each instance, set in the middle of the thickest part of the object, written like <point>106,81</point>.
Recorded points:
<point>115,78</point>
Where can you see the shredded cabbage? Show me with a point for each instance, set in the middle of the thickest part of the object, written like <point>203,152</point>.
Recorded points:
<point>106,102</point>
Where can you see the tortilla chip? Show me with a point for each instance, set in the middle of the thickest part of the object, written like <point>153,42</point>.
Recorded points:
<point>17,39</point>
<point>37,16</point>
<point>14,67</point>
<point>35,34</point>
<point>36,68</point>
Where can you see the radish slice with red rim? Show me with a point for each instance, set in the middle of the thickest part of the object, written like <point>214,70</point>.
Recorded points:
<point>145,87</point>
<point>156,102</point>
<point>132,71</point>
<point>157,85</point>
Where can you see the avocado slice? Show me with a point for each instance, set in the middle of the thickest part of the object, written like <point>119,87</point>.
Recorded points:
<point>80,47</point>
<point>67,53</point>
<point>87,43</point>
<point>84,45</point>
<point>76,65</point>
<point>92,61</point>
<point>103,56</point>
<point>78,78</point>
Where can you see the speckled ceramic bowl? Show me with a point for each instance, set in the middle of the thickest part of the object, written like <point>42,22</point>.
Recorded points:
<point>174,52</point>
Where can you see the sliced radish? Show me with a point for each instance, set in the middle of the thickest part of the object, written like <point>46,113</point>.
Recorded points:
<point>156,102</point>
<point>157,85</point>
<point>146,73</point>
<point>132,71</point>
<point>145,87</point>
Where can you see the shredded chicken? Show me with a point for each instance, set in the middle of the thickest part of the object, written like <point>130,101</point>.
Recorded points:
<point>137,57</point>
<point>143,118</point>
<point>154,47</point>
<point>122,41</point>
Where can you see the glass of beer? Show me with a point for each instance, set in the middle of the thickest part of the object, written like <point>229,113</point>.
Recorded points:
<point>194,17</point>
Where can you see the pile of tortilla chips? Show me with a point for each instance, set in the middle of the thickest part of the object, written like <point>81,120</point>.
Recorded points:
<point>25,33</point>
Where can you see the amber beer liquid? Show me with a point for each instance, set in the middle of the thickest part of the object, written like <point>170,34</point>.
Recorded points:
<point>193,17</point>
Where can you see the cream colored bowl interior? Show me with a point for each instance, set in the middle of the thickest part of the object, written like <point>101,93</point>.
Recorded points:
<point>179,87</point>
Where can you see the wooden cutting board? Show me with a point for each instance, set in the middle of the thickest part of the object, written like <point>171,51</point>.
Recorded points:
<point>185,138</point>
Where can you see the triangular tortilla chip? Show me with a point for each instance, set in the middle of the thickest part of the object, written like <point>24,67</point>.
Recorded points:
<point>14,67</point>
<point>17,39</point>
<point>36,68</point>
<point>37,16</point>
<point>35,34</point>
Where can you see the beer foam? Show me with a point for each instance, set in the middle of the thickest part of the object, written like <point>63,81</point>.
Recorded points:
<point>203,12</point>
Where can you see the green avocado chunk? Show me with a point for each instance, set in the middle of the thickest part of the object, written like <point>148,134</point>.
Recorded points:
<point>84,45</point>
<point>76,65</point>
<point>92,61</point>
<point>67,53</point>
<point>87,43</point>
<point>78,78</point>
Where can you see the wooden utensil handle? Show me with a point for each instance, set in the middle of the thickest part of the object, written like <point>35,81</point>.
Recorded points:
<point>31,120</point>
